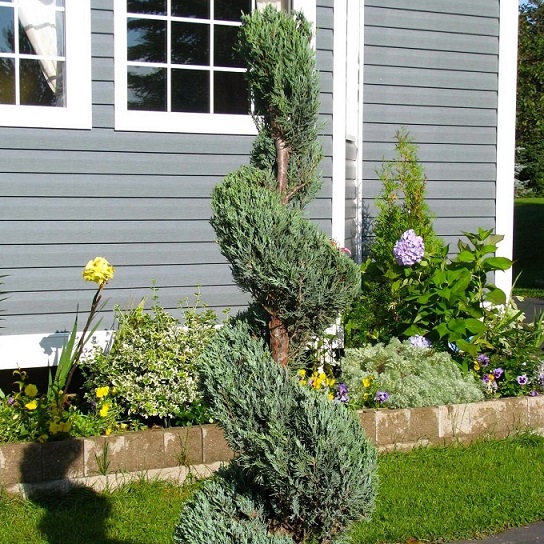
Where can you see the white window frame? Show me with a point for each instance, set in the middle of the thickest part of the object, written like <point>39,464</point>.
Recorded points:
<point>77,113</point>
<point>161,121</point>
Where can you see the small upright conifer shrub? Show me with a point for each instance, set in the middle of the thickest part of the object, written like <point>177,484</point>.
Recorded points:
<point>302,460</point>
<point>304,469</point>
<point>292,270</point>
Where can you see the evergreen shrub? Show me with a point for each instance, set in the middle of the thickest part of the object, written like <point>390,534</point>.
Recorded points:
<point>290,268</point>
<point>305,456</point>
<point>225,511</point>
<point>412,376</point>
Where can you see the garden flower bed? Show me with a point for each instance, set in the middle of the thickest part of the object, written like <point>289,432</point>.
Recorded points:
<point>176,452</point>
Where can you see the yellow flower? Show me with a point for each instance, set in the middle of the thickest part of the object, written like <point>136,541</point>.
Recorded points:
<point>101,391</point>
<point>491,377</point>
<point>104,410</point>
<point>330,395</point>
<point>32,405</point>
<point>365,396</point>
<point>31,390</point>
<point>302,373</point>
<point>476,366</point>
<point>65,426</point>
<point>98,270</point>
<point>42,438</point>
<point>107,431</point>
<point>367,381</point>
<point>54,427</point>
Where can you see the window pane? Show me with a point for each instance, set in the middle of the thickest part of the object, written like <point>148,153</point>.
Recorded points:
<point>223,48</point>
<point>35,88</point>
<point>146,40</point>
<point>42,37</point>
<point>231,94</point>
<point>7,81</point>
<point>230,10</point>
<point>191,91</point>
<point>155,7</point>
<point>6,30</point>
<point>60,3</point>
<point>191,43</point>
<point>146,88</point>
<point>199,9</point>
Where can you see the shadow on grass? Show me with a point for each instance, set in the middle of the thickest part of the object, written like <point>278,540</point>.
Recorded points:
<point>73,514</point>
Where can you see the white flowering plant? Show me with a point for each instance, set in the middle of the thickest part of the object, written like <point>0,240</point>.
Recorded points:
<point>151,362</point>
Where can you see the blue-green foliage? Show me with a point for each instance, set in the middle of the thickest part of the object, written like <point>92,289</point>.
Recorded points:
<point>290,268</point>
<point>225,511</point>
<point>305,456</point>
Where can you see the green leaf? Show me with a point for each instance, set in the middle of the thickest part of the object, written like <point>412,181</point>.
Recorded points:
<point>496,296</point>
<point>469,348</point>
<point>497,263</point>
<point>475,326</point>
<point>466,257</point>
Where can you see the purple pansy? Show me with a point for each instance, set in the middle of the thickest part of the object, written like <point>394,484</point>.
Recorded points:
<point>381,396</point>
<point>11,401</point>
<point>342,393</point>
<point>409,249</point>
<point>483,359</point>
<point>419,341</point>
<point>533,393</point>
<point>498,372</point>
<point>522,380</point>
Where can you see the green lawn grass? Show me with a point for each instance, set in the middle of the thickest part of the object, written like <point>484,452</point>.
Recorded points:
<point>431,494</point>
<point>528,244</point>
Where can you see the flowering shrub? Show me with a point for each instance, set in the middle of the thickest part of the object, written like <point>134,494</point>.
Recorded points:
<point>401,375</point>
<point>26,414</point>
<point>150,365</point>
<point>409,249</point>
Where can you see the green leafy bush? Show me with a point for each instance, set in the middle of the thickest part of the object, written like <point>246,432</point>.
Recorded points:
<point>151,363</point>
<point>306,457</point>
<point>411,376</point>
<point>375,313</point>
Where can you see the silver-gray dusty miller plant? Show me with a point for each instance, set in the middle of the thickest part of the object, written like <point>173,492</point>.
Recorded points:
<point>412,376</point>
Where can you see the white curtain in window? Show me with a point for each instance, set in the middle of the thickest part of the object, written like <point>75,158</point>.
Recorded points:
<point>38,18</point>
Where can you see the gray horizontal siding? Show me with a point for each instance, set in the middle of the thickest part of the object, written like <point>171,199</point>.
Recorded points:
<point>142,200</point>
<point>432,66</point>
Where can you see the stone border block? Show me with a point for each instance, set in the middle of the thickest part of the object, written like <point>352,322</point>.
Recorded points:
<point>214,445</point>
<point>183,446</point>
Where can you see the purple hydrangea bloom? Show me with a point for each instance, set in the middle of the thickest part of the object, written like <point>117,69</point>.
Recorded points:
<point>498,372</point>
<point>483,359</point>
<point>342,393</point>
<point>419,341</point>
<point>522,380</point>
<point>409,249</point>
<point>381,396</point>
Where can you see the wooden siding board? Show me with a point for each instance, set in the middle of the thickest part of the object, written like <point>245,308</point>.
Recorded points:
<point>423,134</point>
<point>399,76</point>
<point>393,18</point>
<point>437,152</point>
<point>116,186</point>
<point>434,60</point>
<point>414,96</point>
<point>443,171</point>
<point>429,40</point>
<point>459,7</point>
<point>429,115</point>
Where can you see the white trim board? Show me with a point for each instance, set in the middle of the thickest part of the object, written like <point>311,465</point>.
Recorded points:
<point>40,350</point>
<point>506,127</point>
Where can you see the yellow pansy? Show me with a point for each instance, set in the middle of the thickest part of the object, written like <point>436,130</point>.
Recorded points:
<point>54,427</point>
<point>476,366</point>
<point>42,438</point>
<point>302,373</point>
<point>104,410</point>
<point>31,390</point>
<point>98,270</point>
<point>65,426</point>
<point>330,395</point>
<point>107,432</point>
<point>367,381</point>
<point>101,391</point>
<point>32,405</point>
